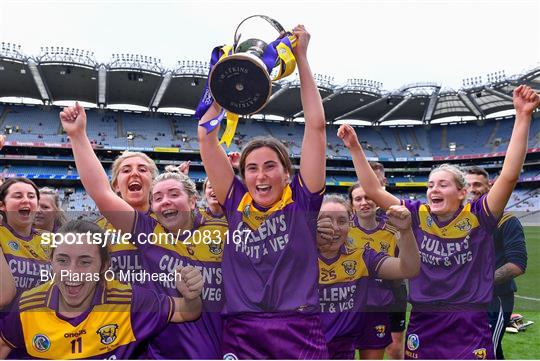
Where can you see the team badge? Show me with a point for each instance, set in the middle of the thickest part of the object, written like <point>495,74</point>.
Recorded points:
<point>13,245</point>
<point>41,343</point>
<point>385,246</point>
<point>215,248</point>
<point>480,353</point>
<point>349,267</point>
<point>381,330</point>
<point>429,221</point>
<point>464,225</point>
<point>190,250</point>
<point>230,356</point>
<point>107,333</point>
<point>46,249</point>
<point>413,342</point>
<point>247,211</point>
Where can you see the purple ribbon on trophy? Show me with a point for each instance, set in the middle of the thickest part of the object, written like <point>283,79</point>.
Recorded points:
<point>239,77</point>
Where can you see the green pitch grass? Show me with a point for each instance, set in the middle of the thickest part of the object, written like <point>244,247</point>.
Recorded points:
<point>526,345</point>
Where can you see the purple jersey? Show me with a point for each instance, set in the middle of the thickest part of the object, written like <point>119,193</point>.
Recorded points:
<point>465,335</point>
<point>119,319</point>
<point>270,260</point>
<point>456,256</point>
<point>200,339</point>
<point>273,335</point>
<point>382,239</point>
<point>343,289</point>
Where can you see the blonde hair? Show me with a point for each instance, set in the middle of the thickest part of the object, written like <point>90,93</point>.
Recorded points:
<point>115,169</point>
<point>336,198</point>
<point>173,172</point>
<point>456,172</point>
<point>60,217</point>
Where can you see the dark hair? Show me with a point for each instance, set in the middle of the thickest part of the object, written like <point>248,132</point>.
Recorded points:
<point>376,166</point>
<point>478,171</point>
<point>82,226</point>
<point>351,189</point>
<point>4,188</point>
<point>269,142</point>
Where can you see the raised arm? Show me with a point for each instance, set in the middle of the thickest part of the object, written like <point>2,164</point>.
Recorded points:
<point>366,176</point>
<point>313,154</point>
<point>525,102</point>
<point>215,161</point>
<point>93,176</point>
<point>190,286</point>
<point>8,289</point>
<point>407,264</point>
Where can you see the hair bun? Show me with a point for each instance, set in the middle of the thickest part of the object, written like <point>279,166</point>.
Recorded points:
<point>172,169</point>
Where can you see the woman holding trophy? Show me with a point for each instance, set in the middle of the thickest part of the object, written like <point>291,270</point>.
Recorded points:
<point>270,268</point>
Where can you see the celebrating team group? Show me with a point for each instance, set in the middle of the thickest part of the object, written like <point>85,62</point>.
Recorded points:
<point>294,274</point>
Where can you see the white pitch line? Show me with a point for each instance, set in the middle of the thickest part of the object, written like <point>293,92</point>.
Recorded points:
<point>528,298</point>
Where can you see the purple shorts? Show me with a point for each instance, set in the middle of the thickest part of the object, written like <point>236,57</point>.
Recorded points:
<point>374,331</point>
<point>342,348</point>
<point>457,335</point>
<point>273,336</point>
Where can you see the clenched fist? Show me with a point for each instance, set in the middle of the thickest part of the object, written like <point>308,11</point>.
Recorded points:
<point>190,282</point>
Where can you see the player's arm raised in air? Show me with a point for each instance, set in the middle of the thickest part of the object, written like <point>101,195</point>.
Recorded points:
<point>313,153</point>
<point>215,161</point>
<point>8,289</point>
<point>526,100</point>
<point>407,264</point>
<point>93,176</point>
<point>190,285</point>
<point>366,176</point>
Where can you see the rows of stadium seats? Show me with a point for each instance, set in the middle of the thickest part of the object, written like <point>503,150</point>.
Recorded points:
<point>523,201</point>
<point>199,175</point>
<point>112,128</point>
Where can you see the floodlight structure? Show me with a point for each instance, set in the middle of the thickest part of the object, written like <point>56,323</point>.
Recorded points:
<point>192,67</point>
<point>362,84</point>
<point>324,81</point>
<point>136,62</point>
<point>496,77</point>
<point>60,54</point>
<point>472,82</point>
<point>11,51</point>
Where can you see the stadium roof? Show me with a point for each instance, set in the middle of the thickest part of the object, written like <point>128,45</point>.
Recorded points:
<point>72,74</point>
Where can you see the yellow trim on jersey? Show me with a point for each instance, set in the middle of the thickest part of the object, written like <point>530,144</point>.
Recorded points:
<point>382,240</point>
<point>348,267</point>
<point>33,249</point>
<point>254,217</point>
<point>104,329</point>
<point>459,227</point>
<point>505,217</point>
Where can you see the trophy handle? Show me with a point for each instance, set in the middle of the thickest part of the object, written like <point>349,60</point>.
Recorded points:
<point>275,24</point>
